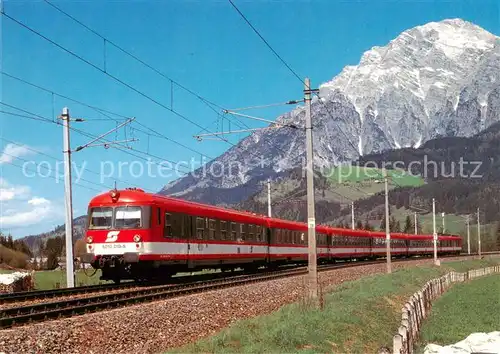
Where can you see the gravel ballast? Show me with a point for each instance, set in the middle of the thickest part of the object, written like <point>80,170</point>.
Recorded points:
<point>158,326</point>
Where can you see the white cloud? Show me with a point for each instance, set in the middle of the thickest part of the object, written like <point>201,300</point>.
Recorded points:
<point>38,201</point>
<point>18,208</point>
<point>8,192</point>
<point>32,212</point>
<point>13,151</point>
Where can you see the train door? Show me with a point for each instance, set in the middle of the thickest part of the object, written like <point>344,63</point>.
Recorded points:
<point>268,234</point>
<point>188,228</point>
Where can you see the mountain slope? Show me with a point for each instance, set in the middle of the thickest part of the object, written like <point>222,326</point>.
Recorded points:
<point>439,79</point>
<point>34,241</point>
<point>457,190</point>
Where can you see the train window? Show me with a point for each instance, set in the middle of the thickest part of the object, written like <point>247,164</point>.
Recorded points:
<point>242,232</point>
<point>200,228</point>
<point>251,232</point>
<point>258,233</point>
<point>211,229</point>
<point>128,217</point>
<point>223,230</point>
<point>173,225</point>
<point>167,230</point>
<point>101,218</point>
<point>233,231</point>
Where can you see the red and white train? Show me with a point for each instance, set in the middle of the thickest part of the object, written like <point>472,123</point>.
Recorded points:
<point>132,234</point>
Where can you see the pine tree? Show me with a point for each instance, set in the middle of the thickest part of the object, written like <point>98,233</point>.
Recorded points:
<point>10,242</point>
<point>359,225</point>
<point>408,225</point>
<point>397,226</point>
<point>498,237</point>
<point>392,223</point>
<point>382,224</point>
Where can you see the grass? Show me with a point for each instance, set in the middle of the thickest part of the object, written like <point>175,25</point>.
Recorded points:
<point>356,174</point>
<point>48,279</point>
<point>358,317</point>
<point>356,182</point>
<point>466,308</point>
<point>454,224</point>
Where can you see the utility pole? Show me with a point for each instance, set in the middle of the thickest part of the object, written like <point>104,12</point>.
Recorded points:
<point>352,215</point>
<point>478,234</point>
<point>269,197</point>
<point>68,194</point>
<point>387,226</point>
<point>311,219</point>
<point>468,234</point>
<point>415,222</point>
<point>434,234</point>
<point>68,201</point>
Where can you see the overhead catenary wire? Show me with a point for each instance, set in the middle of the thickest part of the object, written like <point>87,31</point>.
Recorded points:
<point>115,78</point>
<point>264,106</point>
<point>121,147</point>
<point>38,152</point>
<point>172,82</point>
<point>106,113</point>
<point>299,77</point>
<point>23,167</point>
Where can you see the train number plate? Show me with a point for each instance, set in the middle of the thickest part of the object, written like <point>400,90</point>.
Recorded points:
<point>114,248</point>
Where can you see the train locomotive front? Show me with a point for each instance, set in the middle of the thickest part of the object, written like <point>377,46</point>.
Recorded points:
<point>118,226</point>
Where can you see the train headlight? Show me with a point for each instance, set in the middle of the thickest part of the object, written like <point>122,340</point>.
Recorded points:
<point>137,238</point>
<point>90,239</point>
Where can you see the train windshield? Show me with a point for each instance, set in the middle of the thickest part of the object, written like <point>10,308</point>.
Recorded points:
<point>101,218</point>
<point>129,217</point>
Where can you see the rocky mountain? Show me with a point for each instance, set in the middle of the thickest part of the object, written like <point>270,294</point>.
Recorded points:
<point>34,241</point>
<point>439,79</point>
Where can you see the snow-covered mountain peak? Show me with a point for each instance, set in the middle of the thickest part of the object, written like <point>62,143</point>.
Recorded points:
<point>418,72</point>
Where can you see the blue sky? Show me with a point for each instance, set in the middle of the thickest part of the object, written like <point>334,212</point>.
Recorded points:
<point>204,45</point>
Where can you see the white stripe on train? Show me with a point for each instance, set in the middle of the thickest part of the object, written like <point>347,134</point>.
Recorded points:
<point>167,248</point>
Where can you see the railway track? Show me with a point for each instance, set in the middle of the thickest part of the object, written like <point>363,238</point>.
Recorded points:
<point>24,296</point>
<point>20,315</point>
<point>16,316</point>
<point>46,294</point>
